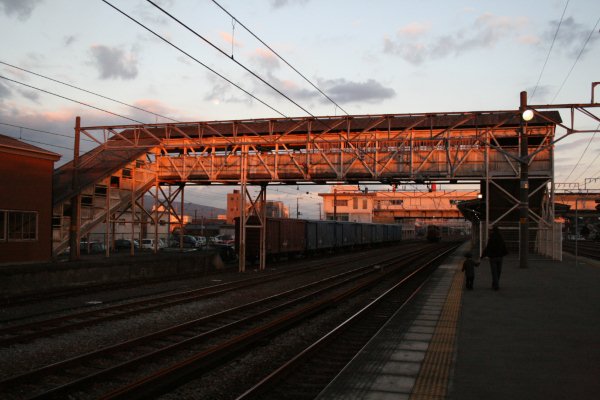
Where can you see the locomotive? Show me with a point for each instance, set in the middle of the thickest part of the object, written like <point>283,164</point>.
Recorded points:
<point>434,233</point>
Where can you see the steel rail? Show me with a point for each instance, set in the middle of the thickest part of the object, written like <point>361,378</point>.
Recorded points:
<point>27,332</point>
<point>70,366</point>
<point>173,375</point>
<point>270,381</point>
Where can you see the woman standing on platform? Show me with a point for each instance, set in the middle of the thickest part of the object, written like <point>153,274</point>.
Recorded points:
<point>495,250</point>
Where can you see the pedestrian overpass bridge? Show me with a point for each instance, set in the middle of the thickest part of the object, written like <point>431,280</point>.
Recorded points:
<point>462,147</point>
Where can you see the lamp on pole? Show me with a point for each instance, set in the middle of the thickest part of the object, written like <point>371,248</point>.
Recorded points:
<point>525,115</point>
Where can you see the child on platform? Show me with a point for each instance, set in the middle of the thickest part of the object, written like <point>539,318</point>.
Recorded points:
<point>469,268</point>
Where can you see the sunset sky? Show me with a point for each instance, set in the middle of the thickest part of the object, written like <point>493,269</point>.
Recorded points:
<point>370,57</point>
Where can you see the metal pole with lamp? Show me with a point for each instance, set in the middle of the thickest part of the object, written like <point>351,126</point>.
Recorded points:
<point>525,115</point>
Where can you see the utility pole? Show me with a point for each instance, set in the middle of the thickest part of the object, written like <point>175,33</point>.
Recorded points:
<point>75,223</point>
<point>524,187</point>
<point>335,204</point>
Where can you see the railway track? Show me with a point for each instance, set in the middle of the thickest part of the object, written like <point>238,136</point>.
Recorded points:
<point>26,332</point>
<point>200,344</point>
<point>305,375</point>
<point>589,249</point>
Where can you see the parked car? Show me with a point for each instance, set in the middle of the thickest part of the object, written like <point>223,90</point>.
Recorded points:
<point>149,244</point>
<point>125,244</point>
<point>188,242</point>
<point>201,241</point>
<point>91,247</point>
<point>223,239</point>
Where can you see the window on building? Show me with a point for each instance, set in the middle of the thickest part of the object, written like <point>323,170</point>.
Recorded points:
<point>397,202</point>
<point>87,200</point>
<point>365,204</point>
<point>126,173</point>
<point>114,181</point>
<point>355,203</point>
<point>100,190</point>
<point>18,225</point>
<point>341,203</point>
<point>56,221</point>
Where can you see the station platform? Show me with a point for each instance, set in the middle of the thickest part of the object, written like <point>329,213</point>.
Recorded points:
<point>537,337</point>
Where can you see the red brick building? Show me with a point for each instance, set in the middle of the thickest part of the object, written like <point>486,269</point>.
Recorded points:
<point>25,202</point>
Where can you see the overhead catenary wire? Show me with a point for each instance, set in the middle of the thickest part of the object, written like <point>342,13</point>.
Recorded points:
<point>42,131</point>
<point>45,144</point>
<point>88,91</point>
<point>73,100</point>
<point>576,60</point>
<point>229,57</point>
<point>279,56</point>
<point>550,49</point>
<point>589,164</point>
<point>193,58</point>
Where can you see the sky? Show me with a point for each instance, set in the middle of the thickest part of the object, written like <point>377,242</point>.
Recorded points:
<point>369,57</point>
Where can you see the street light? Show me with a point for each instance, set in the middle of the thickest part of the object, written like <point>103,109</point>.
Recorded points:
<point>527,115</point>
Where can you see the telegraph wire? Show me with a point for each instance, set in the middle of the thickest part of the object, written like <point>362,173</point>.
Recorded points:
<point>550,50</point>
<point>74,101</point>
<point>576,60</point>
<point>42,131</point>
<point>87,91</point>
<point>590,164</point>
<point>229,57</point>
<point>581,157</point>
<point>279,56</point>
<point>45,144</point>
<point>193,58</point>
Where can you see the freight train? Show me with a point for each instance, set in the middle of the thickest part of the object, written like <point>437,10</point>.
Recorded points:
<point>434,233</point>
<point>288,237</point>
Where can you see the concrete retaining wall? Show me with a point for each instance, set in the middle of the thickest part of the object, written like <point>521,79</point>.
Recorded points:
<point>39,278</point>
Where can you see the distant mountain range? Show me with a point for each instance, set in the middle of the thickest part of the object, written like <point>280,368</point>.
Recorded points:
<point>192,209</point>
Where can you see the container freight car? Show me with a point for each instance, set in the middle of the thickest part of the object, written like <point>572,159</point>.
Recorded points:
<point>288,237</point>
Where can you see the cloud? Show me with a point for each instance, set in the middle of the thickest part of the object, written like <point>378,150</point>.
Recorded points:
<point>229,39</point>
<point>571,36</point>
<point>414,46</point>
<point>155,106</point>
<point>265,59</point>
<point>69,40</point>
<point>345,91</point>
<point>285,3</point>
<point>113,62</point>
<point>221,92</point>
<point>31,95</point>
<point>414,29</point>
<point>21,8</point>
<point>4,91</point>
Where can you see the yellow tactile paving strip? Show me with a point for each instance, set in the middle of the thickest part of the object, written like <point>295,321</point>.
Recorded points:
<point>433,379</point>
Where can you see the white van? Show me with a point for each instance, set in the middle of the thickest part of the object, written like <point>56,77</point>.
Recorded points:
<point>149,244</point>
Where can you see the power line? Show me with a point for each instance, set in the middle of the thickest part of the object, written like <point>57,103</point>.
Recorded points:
<point>550,50</point>
<point>87,91</point>
<point>67,98</point>
<point>592,163</point>
<point>193,58</point>
<point>581,157</point>
<point>45,144</point>
<point>279,56</point>
<point>41,131</point>
<point>229,57</point>
<point>576,60</point>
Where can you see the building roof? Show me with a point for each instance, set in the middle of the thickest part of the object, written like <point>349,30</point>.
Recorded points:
<point>15,146</point>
